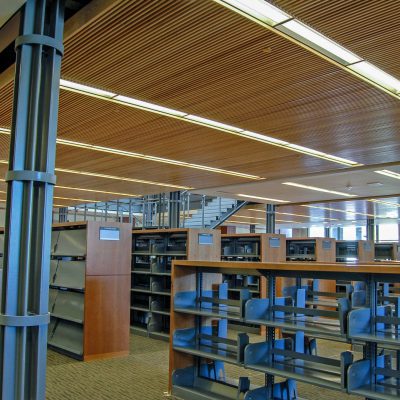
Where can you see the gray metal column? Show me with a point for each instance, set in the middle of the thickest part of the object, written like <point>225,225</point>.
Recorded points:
<point>252,228</point>
<point>327,232</point>
<point>174,209</point>
<point>24,309</point>
<point>339,234</point>
<point>270,218</point>
<point>371,229</point>
<point>63,214</point>
<point>358,233</point>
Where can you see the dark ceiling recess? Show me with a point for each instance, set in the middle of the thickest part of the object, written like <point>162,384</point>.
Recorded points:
<point>7,56</point>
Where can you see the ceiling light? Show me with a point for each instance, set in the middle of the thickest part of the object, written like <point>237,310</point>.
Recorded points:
<point>288,222</point>
<point>149,158</point>
<point>317,43</point>
<point>148,106</point>
<point>320,154</point>
<point>77,87</point>
<point>155,159</point>
<point>260,10</point>
<point>388,173</point>
<point>387,203</point>
<point>97,191</point>
<point>262,198</point>
<point>311,37</point>
<point>317,189</point>
<point>295,215</point>
<point>129,101</point>
<point>263,138</point>
<point>214,124</point>
<point>337,210</point>
<point>240,222</point>
<point>74,199</point>
<point>120,178</point>
<point>377,75</point>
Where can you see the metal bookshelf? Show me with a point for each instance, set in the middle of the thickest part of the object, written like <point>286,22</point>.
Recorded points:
<point>201,348</point>
<point>152,254</point>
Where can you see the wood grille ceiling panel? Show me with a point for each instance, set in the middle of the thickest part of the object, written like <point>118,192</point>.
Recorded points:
<point>201,58</point>
<point>369,28</point>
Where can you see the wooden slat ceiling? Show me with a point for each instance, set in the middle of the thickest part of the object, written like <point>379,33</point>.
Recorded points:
<point>201,58</point>
<point>368,28</point>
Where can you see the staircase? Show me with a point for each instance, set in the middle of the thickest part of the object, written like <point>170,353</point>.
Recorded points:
<point>214,210</point>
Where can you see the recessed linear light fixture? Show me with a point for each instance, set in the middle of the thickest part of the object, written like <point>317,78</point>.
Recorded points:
<point>296,215</point>
<point>262,198</point>
<point>337,210</point>
<point>118,178</point>
<point>263,219</point>
<point>69,198</point>
<point>386,203</point>
<point>388,173</point>
<point>274,19</point>
<point>125,153</point>
<point>121,178</point>
<point>317,189</point>
<point>169,112</point>
<point>98,191</point>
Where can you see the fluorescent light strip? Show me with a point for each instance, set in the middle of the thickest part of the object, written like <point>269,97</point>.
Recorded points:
<point>68,198</point>
<point>262,198</point>
<point>156,159</point>
<point>169,112</point>
<point>295,215</point>
<point>121,178</point>
<point>337,210</point>
<point>74,199</point>
<point>118,178</point>
<point>263,219</point>
<point>317,189</point>
<point>148,158</point>
<point>240,222</point>
<point>388,173</point>
<point>276,20</point>
<point>386,203</point>
<point>97,191</point>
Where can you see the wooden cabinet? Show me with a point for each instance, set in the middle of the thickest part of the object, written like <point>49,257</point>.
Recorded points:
<point>90,289</point>
<point>152,254</point>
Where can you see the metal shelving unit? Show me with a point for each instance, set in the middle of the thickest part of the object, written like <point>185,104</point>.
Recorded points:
<point>152,254</point>
<point>200,350</point>
<point>354,251</point>
<point>387,251</point>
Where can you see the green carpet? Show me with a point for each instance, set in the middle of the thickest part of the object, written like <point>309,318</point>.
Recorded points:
<point>143,375</point>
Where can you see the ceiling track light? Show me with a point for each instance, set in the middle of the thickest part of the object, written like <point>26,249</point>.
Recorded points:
<point>209,123</point>
<point>318,189</point>
<point>274,19</point>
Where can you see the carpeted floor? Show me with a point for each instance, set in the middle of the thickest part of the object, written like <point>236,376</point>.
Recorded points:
<point>142,375</point>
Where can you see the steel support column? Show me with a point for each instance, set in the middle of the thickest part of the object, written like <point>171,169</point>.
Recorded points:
<point>24,309</point>
<point>371,229</point>
<point>327,232</point>
<point>270,218</point>
<point>174,209</point>
<point>252,228</point>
